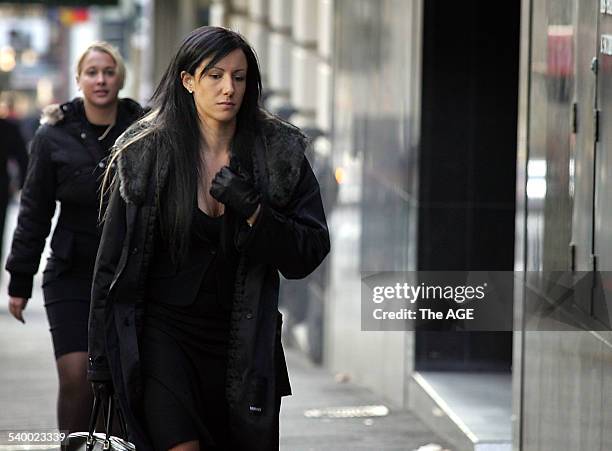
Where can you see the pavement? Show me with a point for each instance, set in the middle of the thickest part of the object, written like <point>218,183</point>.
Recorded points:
<point>314,389</point>
<point>28,390</point>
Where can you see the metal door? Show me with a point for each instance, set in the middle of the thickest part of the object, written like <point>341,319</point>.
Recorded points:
<point>602,242</point>
<point>584,154</point>
<point>602,239</point>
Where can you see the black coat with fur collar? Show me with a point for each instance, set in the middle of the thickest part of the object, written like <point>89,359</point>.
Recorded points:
<point>66,165</point>
<point>290,236</point>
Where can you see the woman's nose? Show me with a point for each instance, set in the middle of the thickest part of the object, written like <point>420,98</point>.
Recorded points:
<point>228,86</point>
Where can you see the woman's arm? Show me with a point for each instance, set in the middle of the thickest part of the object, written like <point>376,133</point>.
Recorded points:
<point>107,260</point>
<point>295,239</point>
<point>36,209</point>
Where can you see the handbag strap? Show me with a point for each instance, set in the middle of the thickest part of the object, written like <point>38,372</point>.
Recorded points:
<point>93,419</point>
<point>109,422</point>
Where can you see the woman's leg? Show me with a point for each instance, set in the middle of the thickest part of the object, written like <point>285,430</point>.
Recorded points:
<point>187,446</point>
<point>75,397</point>
<point>68,326</point>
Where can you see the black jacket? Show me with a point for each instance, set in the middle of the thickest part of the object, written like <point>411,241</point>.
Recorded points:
<point>66,165</point>
<point>290,236</point>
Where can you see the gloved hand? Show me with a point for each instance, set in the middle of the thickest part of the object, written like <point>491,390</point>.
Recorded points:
<point>235,189</point>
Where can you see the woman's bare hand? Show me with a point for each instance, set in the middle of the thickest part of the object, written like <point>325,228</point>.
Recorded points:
<point>17,306</point>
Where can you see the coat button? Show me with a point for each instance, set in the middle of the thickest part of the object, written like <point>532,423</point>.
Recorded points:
<point>134,251</point>
<point>249,315</point>
<point>83,135</point>
<point>101,164</point>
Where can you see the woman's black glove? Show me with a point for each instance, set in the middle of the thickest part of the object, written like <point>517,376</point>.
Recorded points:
<point>234,189</point>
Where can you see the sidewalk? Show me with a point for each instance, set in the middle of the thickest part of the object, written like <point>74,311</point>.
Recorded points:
<point>314,388</point>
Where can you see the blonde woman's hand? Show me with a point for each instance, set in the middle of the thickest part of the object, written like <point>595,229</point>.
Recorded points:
<point>17,306</point>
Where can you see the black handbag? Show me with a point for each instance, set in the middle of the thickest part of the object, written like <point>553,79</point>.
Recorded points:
<point>96,441</point>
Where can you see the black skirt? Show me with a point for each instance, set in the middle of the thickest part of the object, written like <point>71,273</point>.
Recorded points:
<point>184,357</point>
<point>66,291</point>
<point>184,371</point>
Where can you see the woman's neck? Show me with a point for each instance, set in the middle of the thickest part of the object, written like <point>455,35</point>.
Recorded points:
<point>218,137</point>
<point>100,115</point>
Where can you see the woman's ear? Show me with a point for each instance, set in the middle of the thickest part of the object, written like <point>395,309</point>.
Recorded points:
<point>187,80</point>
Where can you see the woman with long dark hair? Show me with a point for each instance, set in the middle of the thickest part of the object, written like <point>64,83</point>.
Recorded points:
<point>68,156</point>
<point>212,198</point>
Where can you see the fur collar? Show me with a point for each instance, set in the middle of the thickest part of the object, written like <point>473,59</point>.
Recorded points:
<point>51,114</point>
<point>284,147</point>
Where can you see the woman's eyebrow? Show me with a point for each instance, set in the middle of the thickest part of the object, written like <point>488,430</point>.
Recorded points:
<point>223,70</point>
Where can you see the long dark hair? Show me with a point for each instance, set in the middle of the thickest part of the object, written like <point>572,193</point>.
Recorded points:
<point>174,117</point>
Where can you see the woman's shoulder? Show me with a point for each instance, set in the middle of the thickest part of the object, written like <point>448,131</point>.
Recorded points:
<point>136,151</point>
<point>52,115</point>
<point>53,121</point>
<point>133,109</point>
<point>58,114</point>
<point>285,146</point>
<point>142,136</point>
<point>281,133</point>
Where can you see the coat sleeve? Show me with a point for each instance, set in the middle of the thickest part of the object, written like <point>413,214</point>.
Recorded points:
<point>295,239</point>
<point>107,261</point>
<point>36,209</point>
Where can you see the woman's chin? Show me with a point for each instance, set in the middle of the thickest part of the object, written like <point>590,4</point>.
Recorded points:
<point>102,102</point>
<point>224,119</point>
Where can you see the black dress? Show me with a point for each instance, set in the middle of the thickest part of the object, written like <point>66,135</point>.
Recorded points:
<point>184,345</point>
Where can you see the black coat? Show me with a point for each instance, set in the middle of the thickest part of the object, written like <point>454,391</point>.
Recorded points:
<point>290,236</point>
<point>66,165</point>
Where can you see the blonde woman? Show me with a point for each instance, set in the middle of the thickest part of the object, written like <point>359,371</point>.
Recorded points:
<point>67,158</point>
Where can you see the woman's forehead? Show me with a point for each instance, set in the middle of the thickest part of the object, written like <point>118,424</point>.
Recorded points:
<point>235,60</point>
<point>98,58</point>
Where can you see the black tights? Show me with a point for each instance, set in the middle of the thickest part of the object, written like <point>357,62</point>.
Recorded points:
<point>75,397</point>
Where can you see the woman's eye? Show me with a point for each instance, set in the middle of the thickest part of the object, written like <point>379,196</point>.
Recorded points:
<point>110,73</point>
<point>239,78</point>
<point>216,76</point>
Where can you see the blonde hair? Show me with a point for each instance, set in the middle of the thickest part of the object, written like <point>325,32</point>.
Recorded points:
<point>103,46</point>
